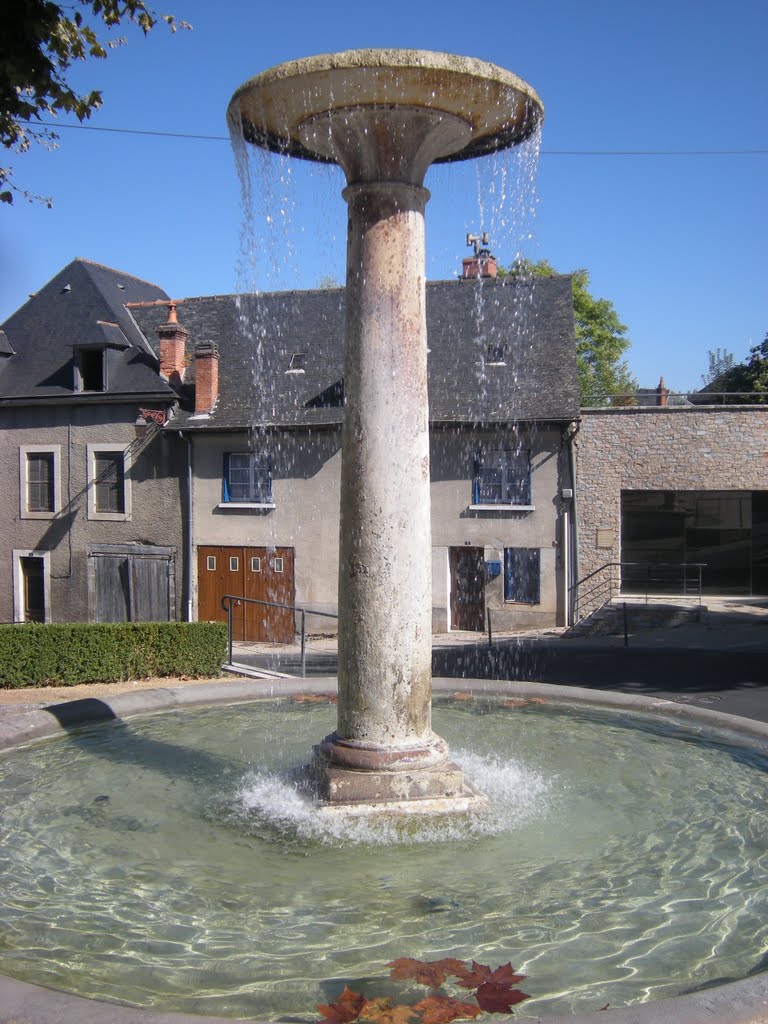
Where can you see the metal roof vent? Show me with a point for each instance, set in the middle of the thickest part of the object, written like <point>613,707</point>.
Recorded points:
<point>296,364</point>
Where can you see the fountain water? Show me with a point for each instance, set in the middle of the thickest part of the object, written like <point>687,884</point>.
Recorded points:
<point>385,116</point>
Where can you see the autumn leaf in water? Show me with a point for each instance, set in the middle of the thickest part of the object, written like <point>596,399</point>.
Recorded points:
<point>381,1011</point>
<point>314,698</point>
<point>516,702</point>
<point>443,1009</point>
<point>463,696</point>
<point>430,972</point>
<point>346,1008</point>
<point>481,975</point>
<point>498,998</point>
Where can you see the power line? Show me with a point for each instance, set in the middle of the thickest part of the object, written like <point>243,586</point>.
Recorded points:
<point>545,152</point>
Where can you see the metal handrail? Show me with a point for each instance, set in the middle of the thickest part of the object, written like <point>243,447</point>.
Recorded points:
<point>226,604</point>
<point>577,595</point>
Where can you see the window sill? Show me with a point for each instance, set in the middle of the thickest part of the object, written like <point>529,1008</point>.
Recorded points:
<point>40,515</point>
<point>112,517</point>
<point>502,508</point>
<point>246,504</point>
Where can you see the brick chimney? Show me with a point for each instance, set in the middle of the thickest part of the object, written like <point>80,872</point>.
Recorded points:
<point>483,263</point>
<point>206,376</point>
<point>173,343</point>
<point>662,392</point>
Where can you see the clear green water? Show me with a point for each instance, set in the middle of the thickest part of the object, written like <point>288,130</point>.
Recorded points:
<point>165,862</point>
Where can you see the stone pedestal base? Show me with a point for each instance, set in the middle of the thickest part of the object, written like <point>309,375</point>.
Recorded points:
<point>420,783</point>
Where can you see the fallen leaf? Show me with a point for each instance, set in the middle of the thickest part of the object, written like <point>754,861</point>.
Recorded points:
<point>314,698</point>
<point>538,700</point>
<point>443,1009</point>
<point>346,1008</point>
<point>481,975</point>
<point>515,702</point>
<point>463,696</point>
<point>381,1011</point>
<point>498,998</point>
<point>431,972</point>
<point>604,1007</point>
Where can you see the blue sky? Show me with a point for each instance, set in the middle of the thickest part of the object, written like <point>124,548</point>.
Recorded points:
<point>676,242</point>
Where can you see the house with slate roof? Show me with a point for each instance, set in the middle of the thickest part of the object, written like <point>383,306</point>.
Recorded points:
<point>92,483</point>
<point>264,444</point>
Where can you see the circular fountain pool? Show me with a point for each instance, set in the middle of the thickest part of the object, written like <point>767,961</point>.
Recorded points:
<point>166,862</point>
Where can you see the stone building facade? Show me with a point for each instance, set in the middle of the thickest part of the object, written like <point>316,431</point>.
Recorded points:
<point>708,454</point>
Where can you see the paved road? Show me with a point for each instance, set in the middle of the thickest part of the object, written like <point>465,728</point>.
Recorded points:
<point>720,663</point>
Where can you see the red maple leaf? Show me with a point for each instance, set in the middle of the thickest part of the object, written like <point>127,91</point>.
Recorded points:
<point>498,998</point>
<point>443,1009</point>
<point>381,1011</point>
<point>346,1008</point>
<point>481,975</point>
<point>426,972</point>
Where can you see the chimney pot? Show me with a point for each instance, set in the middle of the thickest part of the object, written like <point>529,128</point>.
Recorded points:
<point>173,346</point>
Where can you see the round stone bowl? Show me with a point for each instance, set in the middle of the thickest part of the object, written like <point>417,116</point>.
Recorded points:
<point>497,108</point>
<point>738,1002</point>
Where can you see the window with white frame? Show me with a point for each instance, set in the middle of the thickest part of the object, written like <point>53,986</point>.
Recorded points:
<point>247,479</point>
<point>39,481</point>
<point>502,476</point>
<point>109,492</point>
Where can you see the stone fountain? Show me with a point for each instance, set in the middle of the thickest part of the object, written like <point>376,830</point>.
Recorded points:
<point>385,116</point>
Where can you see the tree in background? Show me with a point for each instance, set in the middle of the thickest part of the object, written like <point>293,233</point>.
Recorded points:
<point>601,339</point>
<point>749,377</point>
<point>39,41</point>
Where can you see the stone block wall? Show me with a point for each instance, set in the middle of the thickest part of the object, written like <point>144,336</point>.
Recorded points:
<point>657,449</point>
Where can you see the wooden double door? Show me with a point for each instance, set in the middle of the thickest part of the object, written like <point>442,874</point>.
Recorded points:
<point>258,573</point>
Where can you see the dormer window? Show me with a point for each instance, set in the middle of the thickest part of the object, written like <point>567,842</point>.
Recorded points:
<point>90,369</point>
<point>495,355</point>
<point>296,364</point>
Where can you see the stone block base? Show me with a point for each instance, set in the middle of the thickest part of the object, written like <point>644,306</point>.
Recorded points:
<point>440,789</point>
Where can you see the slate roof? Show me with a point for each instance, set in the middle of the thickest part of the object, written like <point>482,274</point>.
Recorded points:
<point>500,351</point>
<point>82,306</point>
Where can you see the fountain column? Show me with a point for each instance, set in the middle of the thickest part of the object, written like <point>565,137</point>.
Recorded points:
<point>385,583</point>
<point>384,749</point>
<point>384,116</point>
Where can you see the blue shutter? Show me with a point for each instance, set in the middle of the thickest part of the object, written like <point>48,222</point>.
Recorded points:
<point>225,479</point>
<point>522,575</point>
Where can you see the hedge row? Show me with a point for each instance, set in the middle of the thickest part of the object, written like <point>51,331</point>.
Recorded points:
<point>70,653</point>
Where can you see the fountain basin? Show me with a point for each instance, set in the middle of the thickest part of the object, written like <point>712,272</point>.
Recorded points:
<point>739,1001</point>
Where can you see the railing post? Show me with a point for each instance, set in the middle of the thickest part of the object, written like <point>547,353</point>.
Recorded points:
<point>229,628</point>
<point>303,643</point>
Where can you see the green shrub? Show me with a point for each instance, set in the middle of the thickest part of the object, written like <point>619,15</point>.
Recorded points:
<point>79,652</point>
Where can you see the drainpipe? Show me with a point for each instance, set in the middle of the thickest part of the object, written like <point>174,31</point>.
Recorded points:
<point>189,546</point>
<point>573,576</point>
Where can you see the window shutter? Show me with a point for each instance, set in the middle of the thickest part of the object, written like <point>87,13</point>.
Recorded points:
<point>225,479</point>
